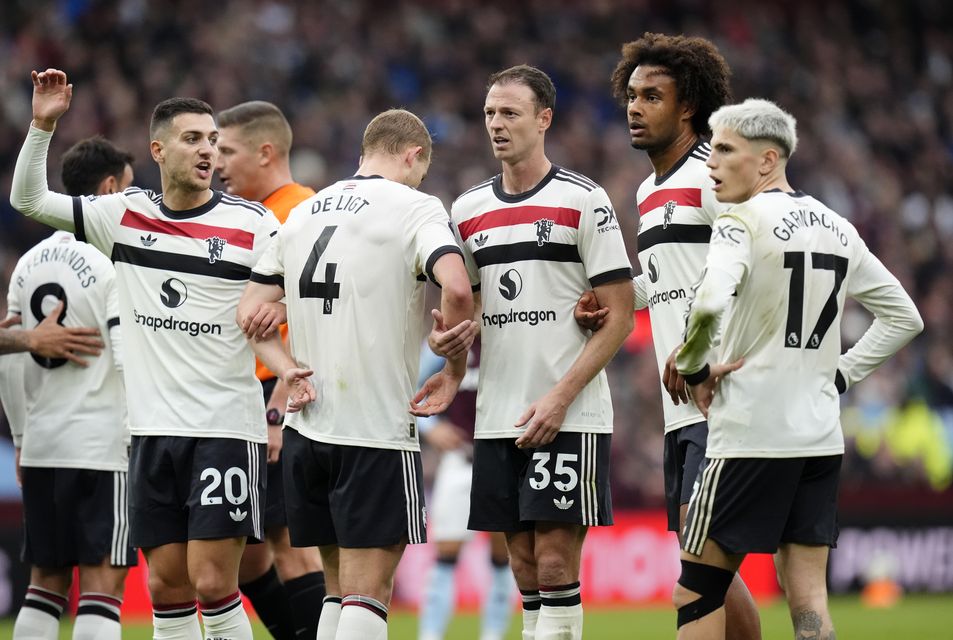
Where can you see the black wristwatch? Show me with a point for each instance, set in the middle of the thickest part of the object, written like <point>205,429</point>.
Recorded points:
<point>274,418</point>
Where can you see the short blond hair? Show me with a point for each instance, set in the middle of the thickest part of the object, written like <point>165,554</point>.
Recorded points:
<point>259,122</point>
<point>394,130</point>
<point>757,119</point>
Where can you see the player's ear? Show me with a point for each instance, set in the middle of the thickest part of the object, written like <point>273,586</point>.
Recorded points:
<point>266,154</point>
<point>770,159</point>
<point>544,118</point>
<point>107,185</point>
<point>411,153</point>
<point>688,111</point>
<point>156,148</point>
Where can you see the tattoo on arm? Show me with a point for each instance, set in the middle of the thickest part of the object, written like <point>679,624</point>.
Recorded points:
<point>13,341</point>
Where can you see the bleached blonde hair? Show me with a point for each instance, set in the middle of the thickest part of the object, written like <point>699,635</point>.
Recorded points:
<point>757,119</point>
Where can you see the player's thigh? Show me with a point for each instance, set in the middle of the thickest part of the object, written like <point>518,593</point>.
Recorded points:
<point>306,475</point>
<point>558,547</point>
<point>257,559</point>
<point>742,504</point>
<point>169,573</point>
<point>567,481</point>
<point>450,499</point>
<point>226,490</point>
<point>499,469</point>
<point>682,459</point>
<point>159,480</point>
<point>292,562</point>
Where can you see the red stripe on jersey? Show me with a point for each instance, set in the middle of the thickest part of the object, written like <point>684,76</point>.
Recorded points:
<point>519,215</point>
<point>235,237</point>
<point>682,197</point>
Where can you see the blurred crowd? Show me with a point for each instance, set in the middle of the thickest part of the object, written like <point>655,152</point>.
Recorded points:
<point>870,82</point>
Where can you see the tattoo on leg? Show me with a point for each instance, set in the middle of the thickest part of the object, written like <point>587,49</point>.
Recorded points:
<point>807,624</point>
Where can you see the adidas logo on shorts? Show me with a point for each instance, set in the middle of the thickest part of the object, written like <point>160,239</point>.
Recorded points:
<point>237,515</point>
<point>562,503</point>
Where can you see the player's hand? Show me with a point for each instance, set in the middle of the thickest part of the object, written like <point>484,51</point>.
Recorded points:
<point>454,342</point>
<point>51,97</point>
<point>436,394</point>
<point>52,340</point>
<point>673,381</point>
<point>588,314</point>
<point>274,443</point>
<point>10,321</point>
<point>445,436</point>
<point>704,392</point>
<point>300,391</point>
<point>542,420</point>
<point>265,321</point>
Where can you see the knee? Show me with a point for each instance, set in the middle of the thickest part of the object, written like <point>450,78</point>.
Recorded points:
<point>700,590</point>
<point>291,562</point>
<point>552,568</point>
<point>168,588</point>
<point>524,567</point>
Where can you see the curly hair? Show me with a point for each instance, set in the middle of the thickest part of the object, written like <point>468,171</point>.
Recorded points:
<point>700,72</point>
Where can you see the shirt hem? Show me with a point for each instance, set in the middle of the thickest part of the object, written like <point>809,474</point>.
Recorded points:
<point>801,453</point>
<point>73,464</point>
<point>516,433</point>
<point>355,442</point>
<point>262,439</point>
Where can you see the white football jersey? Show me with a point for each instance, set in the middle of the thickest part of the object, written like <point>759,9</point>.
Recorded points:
<point>533,255</point>
<point>675,216</point>
<point>180,275</point>
<point>353,260</point>
<point>780,267</point>
<point>75,416</point>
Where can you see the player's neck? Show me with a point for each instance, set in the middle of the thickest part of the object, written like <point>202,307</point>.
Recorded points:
<point>523,176</point>
<point>664,159</point>
<point>270,184</point>
<point>178,199</point>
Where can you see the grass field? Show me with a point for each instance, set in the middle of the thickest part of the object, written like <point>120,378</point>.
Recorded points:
<point>916,617</point>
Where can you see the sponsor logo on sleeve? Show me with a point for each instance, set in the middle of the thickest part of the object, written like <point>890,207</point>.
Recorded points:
<point>609,222</point>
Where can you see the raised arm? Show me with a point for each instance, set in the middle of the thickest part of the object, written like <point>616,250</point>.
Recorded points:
<point>29,192</point>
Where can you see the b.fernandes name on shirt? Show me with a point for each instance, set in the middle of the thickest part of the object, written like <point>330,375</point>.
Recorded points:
<point>171,323</point>
<point>531,318</point>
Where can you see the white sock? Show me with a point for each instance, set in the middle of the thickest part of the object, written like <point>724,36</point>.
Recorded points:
<point>226,619</point>
<point>362,618</point>
<point>560,617</point>
<point>97,617</point>
<point>176,622</point>
<point>531,602</point>
<point>39,617</point>
<point>330,615</point>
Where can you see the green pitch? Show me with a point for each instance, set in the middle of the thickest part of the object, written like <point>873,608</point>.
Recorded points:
<point>921,617</point>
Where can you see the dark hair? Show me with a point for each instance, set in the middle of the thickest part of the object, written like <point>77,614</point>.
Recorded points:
<point>700,72</point>
<point>539,83</point>
<point>89,162</point>
<point>166,110</point>
<point>261,121</point>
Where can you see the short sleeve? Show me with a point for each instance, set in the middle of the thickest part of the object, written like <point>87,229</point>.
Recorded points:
<point>432,236</point>
<point>600,243</point>
<point>270,268</point>
<point>96,218</point>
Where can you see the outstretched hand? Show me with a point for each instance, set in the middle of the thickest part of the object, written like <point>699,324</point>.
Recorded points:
<point>703,392</point>
<point>51,97</point>
<point>588,314</point>
<point>436,395</point>
<point>300,391</point>
<point>451,343</point>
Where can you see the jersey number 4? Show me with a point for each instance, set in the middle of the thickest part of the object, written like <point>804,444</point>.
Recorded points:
<point>794,260</point>
<point>329,290</point>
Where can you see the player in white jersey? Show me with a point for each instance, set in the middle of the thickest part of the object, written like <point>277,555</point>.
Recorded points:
<point>196,414</point>
<point>537,236</point>
<point>72,438</point>
<point>670,86</point>
<point>352,261</point>
<point>780,267</point>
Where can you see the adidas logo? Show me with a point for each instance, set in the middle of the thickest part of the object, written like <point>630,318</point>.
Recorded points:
<point>562,503</point>
<point>481,240</point>
<point>148,240</point>
<point>238,516</point>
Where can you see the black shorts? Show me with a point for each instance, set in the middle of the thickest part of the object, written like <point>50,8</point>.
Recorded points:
<point>354,497</point>
<point>683,458</point>
<point>753,505</point>
<point>195,489</point>
<point>566,480</point>
<point>275,517</point>
<point>75,517</point>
